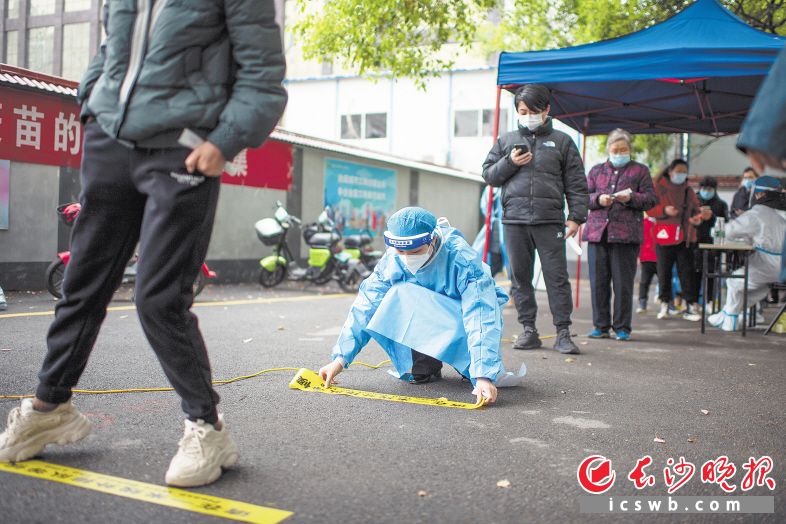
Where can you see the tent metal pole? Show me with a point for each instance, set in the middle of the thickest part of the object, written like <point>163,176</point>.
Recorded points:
<point>495,135</point>
<point>578,258</point>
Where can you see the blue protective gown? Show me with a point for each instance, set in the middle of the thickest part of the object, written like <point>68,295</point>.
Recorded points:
<point>450,310</point>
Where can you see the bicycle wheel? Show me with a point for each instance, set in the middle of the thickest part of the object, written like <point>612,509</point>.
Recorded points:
<point>271,278</point>
<point>54,278</point>
<point>350,282</point>
<point>326,275</point>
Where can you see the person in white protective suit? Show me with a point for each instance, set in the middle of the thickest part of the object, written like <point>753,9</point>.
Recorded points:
<point>763,227</point>
<point>430,300</point>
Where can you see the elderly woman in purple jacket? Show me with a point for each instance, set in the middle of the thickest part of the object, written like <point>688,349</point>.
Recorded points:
<point>620,191</point>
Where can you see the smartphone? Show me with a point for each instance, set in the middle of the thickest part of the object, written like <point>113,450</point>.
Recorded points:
<point>522,148</point>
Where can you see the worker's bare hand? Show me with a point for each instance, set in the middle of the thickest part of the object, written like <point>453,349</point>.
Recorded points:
<point>671,211</point>
<point>605,200</point>
<point>695,220</point>
<point>519,158</point>
<point>486,390</point>
<point>329,372</point>
<point>207,159</point>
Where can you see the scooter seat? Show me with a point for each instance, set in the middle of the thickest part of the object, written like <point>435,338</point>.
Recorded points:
<point>323,239</point>
<point>356,241</point>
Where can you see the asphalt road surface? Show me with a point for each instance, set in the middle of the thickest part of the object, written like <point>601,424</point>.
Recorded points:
<point>338,459</point>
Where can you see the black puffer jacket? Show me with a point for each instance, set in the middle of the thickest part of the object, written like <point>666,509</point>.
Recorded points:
<point>535,193</point>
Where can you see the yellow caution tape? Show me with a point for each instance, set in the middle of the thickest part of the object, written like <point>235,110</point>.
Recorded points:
<point>161,495</point>
<point>307,380</point>
<point>215,382</point>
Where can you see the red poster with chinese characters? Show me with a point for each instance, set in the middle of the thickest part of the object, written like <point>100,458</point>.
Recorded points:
<point>268,166</point>
<point>45,129</point>
<point>39,129</point>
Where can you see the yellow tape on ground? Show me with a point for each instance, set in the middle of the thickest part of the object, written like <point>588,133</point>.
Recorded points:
<point>161,495</point>
<point>307,380</point>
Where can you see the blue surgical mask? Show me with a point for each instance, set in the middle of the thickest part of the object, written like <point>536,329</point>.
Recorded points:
<point>706,194</point>
<point>619,160</point>
<point>678,178</point>
<point>747,183</point>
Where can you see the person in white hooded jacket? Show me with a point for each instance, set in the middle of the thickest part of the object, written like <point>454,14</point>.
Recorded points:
<point>764,228</point>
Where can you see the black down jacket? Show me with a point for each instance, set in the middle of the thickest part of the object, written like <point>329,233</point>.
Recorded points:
<point>535,193</point>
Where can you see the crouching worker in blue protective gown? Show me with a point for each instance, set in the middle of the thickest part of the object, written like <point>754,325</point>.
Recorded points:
<point>429,301</point>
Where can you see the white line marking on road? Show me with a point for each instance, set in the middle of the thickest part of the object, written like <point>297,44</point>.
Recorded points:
<point>581,423</point>
<point>533,441</point>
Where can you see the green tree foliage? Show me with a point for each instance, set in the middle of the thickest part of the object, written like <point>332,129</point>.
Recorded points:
<point>407,38</point>
<point>401,38</point>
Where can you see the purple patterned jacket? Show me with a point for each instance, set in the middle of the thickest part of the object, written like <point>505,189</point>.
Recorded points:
<point>622,222</point>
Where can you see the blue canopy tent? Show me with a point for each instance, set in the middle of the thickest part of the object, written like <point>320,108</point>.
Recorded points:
<point>696,72</point>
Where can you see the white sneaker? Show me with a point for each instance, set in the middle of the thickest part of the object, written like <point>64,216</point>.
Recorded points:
<point>693,313</point>
<point>203,452</point>
<point>29,431</point>
<point>664,311</point>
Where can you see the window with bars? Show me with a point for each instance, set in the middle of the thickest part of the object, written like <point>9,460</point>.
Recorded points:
<point>12,48</point>
<point>77,5</point>
<point>40,46</point>
<point>475,123</point>
<point>42,7</point>
<point>12,9</point>
<point>350,126</point>
<point>76,50</point>
<point>369,125</point>
<point>376,125</point>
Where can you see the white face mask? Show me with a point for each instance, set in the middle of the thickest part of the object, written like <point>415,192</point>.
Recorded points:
<point>531,122</point>
<point>415,262</point>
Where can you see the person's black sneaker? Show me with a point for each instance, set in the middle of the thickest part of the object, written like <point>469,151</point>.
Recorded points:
<point>425,379</point>
<point>564,344</point>
<point>529,339</point>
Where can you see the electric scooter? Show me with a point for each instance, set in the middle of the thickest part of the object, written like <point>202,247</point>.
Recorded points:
<point>324,250</point>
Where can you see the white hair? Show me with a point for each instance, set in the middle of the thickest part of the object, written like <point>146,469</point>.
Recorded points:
<point>617,135</point>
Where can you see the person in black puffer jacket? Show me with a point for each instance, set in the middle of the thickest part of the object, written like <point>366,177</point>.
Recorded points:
<point>537,177</point>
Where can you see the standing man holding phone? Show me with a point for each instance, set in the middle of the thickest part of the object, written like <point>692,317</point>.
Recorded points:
<point>539,168</point>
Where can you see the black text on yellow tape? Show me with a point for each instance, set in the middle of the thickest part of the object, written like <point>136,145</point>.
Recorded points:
<point>307,380</point>
<point>164,496</point>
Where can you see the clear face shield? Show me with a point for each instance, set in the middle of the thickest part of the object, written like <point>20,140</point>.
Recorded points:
<point>416,262</point>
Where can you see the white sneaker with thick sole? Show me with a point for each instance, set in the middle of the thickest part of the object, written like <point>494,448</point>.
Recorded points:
<point>664,311</point>
<point>693,313</point>
<point>203,452</point>
<point>29,431</point>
